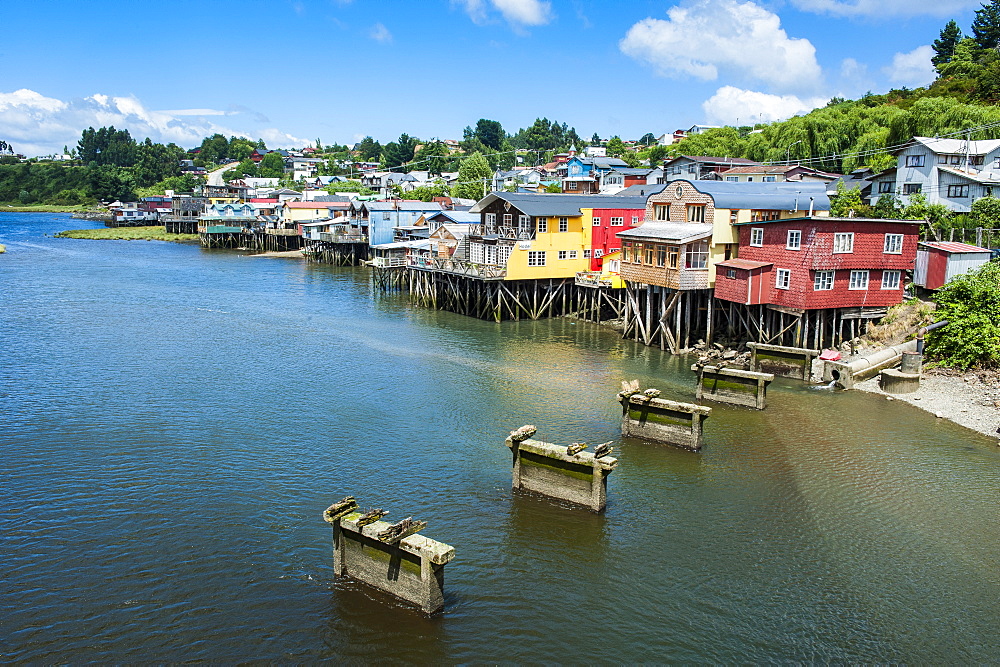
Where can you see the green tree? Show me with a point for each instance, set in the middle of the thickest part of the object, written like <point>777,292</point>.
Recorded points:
<point>398,153</point>
<point>553,188</point>
<point>848,204</point>
<point>985,212</point>
<point>425,192</point>
<point>272,165</point>
<point>506,158</point>
<point>107,146</point>
<point>647,139</point>
<point>595,140</point>
<point>247,168</point>
<point>214,149</point>
<point>656,154</point>
<point>490,133</point>
<point>964,62</point>
<point>986,25</point>
<point>887,207</point>
<point>971,304</point>
<point>472,175</point>
<point>616,147</point>
<point>944,47</point>
<point>433,157</point>
<point>349,186</point>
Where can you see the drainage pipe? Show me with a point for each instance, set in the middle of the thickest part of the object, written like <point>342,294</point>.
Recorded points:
<point>923,330</point>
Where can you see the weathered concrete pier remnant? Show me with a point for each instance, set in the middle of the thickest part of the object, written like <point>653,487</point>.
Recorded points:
<point>645,415</point>
<point>849,371</point>
<point>789,362</point>
<point>390,557</point>
<point>568,473</point>
<point>732,385</point>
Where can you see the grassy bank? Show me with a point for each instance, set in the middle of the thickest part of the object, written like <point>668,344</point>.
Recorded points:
<point>43,208</point>
<point>128,234</point>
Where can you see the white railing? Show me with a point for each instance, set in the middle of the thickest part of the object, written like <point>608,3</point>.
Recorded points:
<point>388,262</point>
<point>502,231</point>
<point>458,266</point>
<point>592,279</point>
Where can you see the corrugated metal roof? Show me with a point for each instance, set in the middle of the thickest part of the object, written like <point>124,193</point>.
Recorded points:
<point>393,205</point>
<point>780,195</point>
<point>668,231</point>
<point>558,205</point>
<point>955,145</point>
<point>953,246</point>
<point>743,264</point>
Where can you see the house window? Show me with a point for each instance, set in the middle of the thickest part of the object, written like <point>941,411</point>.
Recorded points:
<point>730,273</point>
<point>769,179</point>
<point>561,255</point>
<point>893,244</point>
<point>911,188</point>
<point>661,255</point>
<point>637,253</point>
<point>696,213</point>
<point>886,186</point>
<point>570,186</point>
<point>503,254</point>
<point>491,254</point>
<point>491,218</point>
<point>508,219</point>
<point>914,160</point>
<point>522,222</point>
<point>543,225</point>
<point>662,211</point>
<point>617,222</point>
<point>626,251</point>
<point>733,179</point>
<point>976,160</point>
<point>859,280</point>
<point>572,254</point>
<point>749,179</point>
<point>385,216</point>
<point>536,258</point>
<point>890,280</point>
<point>763,215</point>
<point>563,224</point>
<point>942,159</point>
<point>823,280</point>
<point>673,255</point>
<point>696,256</point>
<point>648,259</point>
<point>782,278</point>
<point>635,220</point>
<point>843,242</point>
<point>598,253</point>
<point>756,237</point>
<point>586,254</point>
<point>794,240</point>
<point>956,159</point>
<point>476,253</point>
<point>958,191</point>
<point>597,222</point>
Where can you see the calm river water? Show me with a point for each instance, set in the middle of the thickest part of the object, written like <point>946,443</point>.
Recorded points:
<point>173,422</point>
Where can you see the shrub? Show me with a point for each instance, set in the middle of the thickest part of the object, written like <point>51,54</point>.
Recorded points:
<point>971,304</point>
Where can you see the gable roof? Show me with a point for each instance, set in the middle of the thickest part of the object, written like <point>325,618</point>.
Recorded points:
<point>403,205</point>
<point>681,232</point>
<point>781,195</point>
<point>937,145</point>
<point>461,217</point>
<point>536,204</point>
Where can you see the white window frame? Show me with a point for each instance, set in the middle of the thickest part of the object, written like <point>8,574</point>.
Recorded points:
<point>536,258</point>
<point>823,281</point>
<point>793,240</point>
<point>635,220</point>
<point>563,224</point>
<point>890,279</point>
<point>508,219</point>
<point>586,254</point>
<point>859,280</point>
<point>769,179</point>
<point>598,253</point>
<point>733,179</point>
<point>843,243</point>
<point>572,254</point>
<point>491,218</point>
<point>782,278</point>
<point>696,213</point>
<point>542,224</point>
<point>914,160</point>
<point>757,237</point>
<point>597,222</point>
<point>958,191</point>
<point>893,244</point>
<point>562,254</point>
<point>617,222</point>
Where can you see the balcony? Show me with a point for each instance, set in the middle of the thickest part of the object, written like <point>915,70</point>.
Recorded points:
<point>502,231</point>
<point>340,237</point>
<point>389,262</point>
<point>459,267</point>
<point>593,279</point>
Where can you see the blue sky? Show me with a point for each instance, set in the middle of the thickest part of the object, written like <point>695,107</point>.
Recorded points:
<point>291,71</point>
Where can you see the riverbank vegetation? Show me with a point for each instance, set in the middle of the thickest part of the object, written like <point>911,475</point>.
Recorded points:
<point>128,234</point>
<point>971,304</point>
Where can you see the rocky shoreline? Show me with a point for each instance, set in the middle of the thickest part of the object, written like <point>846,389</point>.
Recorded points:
<point>969,399</point>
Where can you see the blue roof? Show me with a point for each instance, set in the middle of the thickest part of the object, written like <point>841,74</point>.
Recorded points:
<point>789,196</point>
<point>457,216</point>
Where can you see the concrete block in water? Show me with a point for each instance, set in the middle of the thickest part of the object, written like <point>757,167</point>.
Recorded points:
<point>411,569</point>
<point>732,385</point>
<point>847,372</point>
<point>789,362</point>
<point>662,420</point>
<point>548,469</point>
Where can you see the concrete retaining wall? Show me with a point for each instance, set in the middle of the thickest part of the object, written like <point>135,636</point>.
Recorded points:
<point>732,385</point>
<point>412,569</point>
<point>547,469</point>
<point>662,420</point>
<point>789,362</point>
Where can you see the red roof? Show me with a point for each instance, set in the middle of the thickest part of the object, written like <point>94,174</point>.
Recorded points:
<point>263,201</point>
<point>743,264</point>
<point>953,246</point>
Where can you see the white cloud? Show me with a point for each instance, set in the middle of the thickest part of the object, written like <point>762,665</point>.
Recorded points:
<point>913,68</point>
<point>39,125</point>
<point>739,38</point>
<point>749,106</point>
<point>518,13</point>
<point>886,8</point>
<point>380,33</point>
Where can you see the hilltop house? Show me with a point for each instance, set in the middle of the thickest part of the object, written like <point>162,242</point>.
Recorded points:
<point>953,172</point>
<point>702,166</point>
